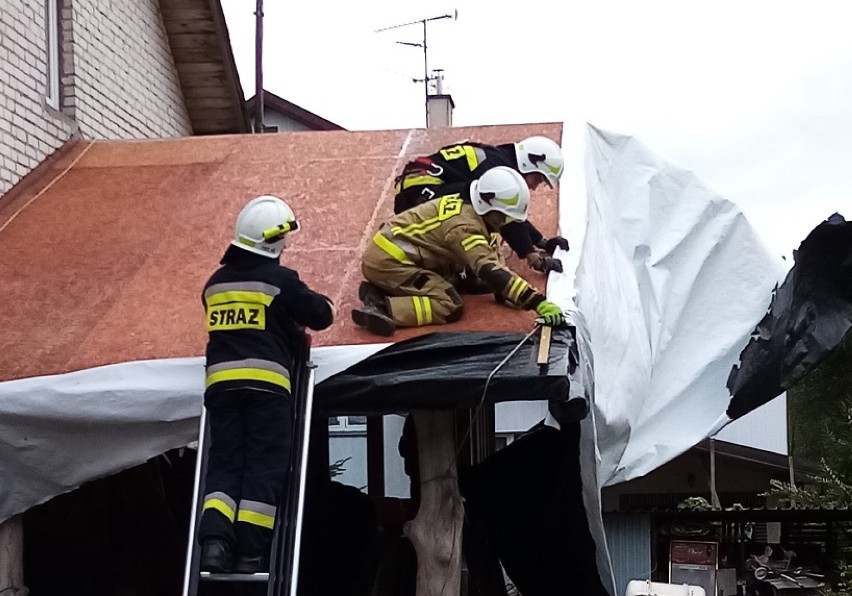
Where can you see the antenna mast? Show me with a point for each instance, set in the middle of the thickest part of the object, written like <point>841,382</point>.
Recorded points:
<point>426,78</point>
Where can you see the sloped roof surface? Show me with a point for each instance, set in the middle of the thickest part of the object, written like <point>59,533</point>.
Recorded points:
<point>105,253</point>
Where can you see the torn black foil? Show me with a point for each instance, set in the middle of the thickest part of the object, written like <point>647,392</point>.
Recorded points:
<point>447,371</point>
<point>810,313</point>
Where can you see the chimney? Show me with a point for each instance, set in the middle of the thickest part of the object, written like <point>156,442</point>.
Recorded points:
<point>439,106</point>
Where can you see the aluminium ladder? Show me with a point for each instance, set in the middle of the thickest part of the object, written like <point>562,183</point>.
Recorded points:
<point>283,576</point>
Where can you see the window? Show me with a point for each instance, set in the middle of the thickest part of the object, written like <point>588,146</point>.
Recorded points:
<point>347,424</point>
<point>52,24</point>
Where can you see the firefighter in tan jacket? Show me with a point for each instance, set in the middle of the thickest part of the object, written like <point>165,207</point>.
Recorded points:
<point>413,255</point>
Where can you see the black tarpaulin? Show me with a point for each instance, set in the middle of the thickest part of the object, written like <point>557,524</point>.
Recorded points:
<point>449,370</point>
<point>808,317</point>
<point>527,500</point>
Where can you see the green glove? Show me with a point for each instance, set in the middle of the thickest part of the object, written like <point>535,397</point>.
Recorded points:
<point>551,313</point>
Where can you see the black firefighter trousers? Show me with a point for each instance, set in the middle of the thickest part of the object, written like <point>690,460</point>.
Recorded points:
<point>251,436</point>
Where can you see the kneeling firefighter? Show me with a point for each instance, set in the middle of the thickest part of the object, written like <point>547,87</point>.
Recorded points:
<point>411,258</point>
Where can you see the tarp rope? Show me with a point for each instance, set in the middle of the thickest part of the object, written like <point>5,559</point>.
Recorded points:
<point>488,382</point>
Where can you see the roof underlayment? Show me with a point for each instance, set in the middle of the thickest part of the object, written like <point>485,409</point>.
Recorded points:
<point>106,250</point>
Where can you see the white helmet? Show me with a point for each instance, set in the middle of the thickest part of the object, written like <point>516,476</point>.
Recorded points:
<point>262,226</point>
<point>501,189</point>
<point>540,154</point>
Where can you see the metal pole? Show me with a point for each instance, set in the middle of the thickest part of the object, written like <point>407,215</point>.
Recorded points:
<point>258,68</point>
<point>425,76</point>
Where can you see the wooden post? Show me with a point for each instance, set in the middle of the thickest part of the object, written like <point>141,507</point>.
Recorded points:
<point>436,531</point>
<point>714,496</point>
<point>12,557</point>
<point>792,476</point>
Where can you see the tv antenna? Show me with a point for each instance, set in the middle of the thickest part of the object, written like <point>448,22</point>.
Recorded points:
<point>426,78</point>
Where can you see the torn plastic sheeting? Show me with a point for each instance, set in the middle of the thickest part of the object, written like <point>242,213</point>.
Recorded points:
<point>448,370</point>
<point>809,315</point>
<point>671,281</point>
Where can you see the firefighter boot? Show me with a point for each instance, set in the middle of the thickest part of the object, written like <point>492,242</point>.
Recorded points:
<point>375,318</point>
<point>373,315</point>
<point>371,295</point>
<point>216,556</point>
<point>252,564</point>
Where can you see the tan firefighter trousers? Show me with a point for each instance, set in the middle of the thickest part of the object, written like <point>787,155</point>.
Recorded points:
<point>416,296</point>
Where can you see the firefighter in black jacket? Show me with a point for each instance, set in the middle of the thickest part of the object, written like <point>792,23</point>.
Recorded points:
<point>256,314</point>
<point>411,256</point>
<point>538,159</point>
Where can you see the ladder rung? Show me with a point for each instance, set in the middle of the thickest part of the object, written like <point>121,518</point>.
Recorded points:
<point>234,577</point>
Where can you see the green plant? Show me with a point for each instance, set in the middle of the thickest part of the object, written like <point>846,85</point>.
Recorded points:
<point>694,504</point>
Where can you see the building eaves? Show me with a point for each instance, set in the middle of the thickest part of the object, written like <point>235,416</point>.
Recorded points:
<point>753,455</point>
<point>201,48</point>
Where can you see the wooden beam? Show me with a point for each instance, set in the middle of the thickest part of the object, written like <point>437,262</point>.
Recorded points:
<point>197,79</point>
<point>208,68</point>
<point>227,55</point>
<point>436,531</point>
<point>172,4</point>
<point>12,557</point>
<point>216,114</point>
<point>714,496</point>
<point>186,14</point>
<point>193,91</point>
<point>544,345</point>
<point>205,103</point>
<point>210,127</point>
<point>196,55</point>
<point>180,26</point>
<point>207,41</point>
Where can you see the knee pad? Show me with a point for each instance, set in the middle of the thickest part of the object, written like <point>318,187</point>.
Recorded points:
<point>457,309</point>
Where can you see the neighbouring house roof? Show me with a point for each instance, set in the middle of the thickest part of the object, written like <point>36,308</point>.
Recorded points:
<point>106,249</point>
<point>292,111</point>
<point>205,64</point>
<point>751,455</point>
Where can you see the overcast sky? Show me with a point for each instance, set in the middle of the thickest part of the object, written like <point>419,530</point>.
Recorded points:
<point>754,97</point>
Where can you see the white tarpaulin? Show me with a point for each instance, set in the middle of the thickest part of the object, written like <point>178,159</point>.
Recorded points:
<point>671,280</point>
<point>60,431</point>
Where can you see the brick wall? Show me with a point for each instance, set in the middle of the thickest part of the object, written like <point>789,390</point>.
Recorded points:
<point>29,130</point>
<point>118,79</point>
<point>125,82</point>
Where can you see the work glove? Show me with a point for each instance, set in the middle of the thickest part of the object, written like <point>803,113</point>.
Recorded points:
<point>543,263</point>
<point>550,313</point>
<point>550,246</point>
